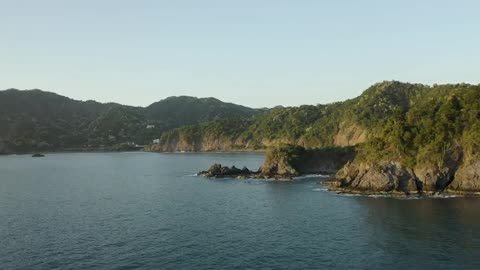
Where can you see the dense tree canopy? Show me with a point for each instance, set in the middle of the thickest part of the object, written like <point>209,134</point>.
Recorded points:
<point>37,120</point>
<point>391,120</point>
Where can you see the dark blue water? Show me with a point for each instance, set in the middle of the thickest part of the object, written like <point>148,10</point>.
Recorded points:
<point>144,211</point>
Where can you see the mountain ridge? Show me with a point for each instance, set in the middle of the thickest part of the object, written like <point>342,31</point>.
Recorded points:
<point>37,120</point>
<point>184,123</point>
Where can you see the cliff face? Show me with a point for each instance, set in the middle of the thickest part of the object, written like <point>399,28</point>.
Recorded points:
<point>393,176</point>
<point>202,144</point>
<point>384,176</point>
<point>467,178</point>
<point>350,133</point>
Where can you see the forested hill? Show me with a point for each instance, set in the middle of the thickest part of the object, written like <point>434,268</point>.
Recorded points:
<point>342,123</point>
<point>34,120</point>
<point>185,110</point>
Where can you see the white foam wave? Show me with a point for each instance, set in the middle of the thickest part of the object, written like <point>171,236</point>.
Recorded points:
<point>320,189</point>
<point>312,176</point>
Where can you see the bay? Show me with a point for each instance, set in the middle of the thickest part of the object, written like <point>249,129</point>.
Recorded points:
<point>149,211</point>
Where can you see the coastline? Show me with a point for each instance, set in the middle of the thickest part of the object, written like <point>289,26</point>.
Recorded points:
<point>69,151</point>
<point>106,150</point>
<point>209,152</point>
<point>332,185</point>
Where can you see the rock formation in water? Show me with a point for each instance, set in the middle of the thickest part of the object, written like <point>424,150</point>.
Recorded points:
<point>287,161</point>
<point>219,171</point>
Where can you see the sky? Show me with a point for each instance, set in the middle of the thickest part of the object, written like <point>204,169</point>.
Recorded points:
<point>258,53</point>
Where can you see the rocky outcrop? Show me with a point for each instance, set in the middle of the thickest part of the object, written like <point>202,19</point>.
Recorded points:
<point>433,179</point>
<point>392,176</point>
<point>281,162</point>
<point>467,178</point>
<point>219,171</point>
<point>380,177</point>
<point>456,173</point>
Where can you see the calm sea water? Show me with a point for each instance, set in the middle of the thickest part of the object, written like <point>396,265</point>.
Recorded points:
<point>147,211</point>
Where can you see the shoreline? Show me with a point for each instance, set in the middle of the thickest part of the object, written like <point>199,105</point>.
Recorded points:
<point>330,183</point>
<point>100,150</point>
<point>214,151</point>
<point>331,187</point>
<point>67,152</point>
<point>211,152</point>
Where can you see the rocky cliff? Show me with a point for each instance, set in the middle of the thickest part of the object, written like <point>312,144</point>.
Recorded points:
<point>432,146</point>
<point>457,174</point>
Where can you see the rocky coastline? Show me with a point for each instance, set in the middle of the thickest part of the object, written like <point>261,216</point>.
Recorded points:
<point>284,162</point>
<point>392,177</point>
<point>351,175</point>
<point>219,171</point>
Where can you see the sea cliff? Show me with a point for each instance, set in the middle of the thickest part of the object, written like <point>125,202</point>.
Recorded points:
<point>395,177</point>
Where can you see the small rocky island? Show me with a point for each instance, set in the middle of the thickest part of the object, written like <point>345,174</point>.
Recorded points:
<point>219,171</point>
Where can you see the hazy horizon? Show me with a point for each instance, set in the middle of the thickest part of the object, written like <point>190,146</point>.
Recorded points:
<point>254,54</point>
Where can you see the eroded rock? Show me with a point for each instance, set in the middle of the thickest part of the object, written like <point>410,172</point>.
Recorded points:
<point>380,177</point>
<point>219,171</point>
<point>467,178</point>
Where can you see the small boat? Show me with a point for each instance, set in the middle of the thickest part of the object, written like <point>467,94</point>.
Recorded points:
<point>38,155</point>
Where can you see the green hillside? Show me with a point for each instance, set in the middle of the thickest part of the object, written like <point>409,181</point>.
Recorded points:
<point>35,120</point>
<point>338,124</point>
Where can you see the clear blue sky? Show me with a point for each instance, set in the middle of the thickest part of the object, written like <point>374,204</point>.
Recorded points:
<point>252,52</point>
